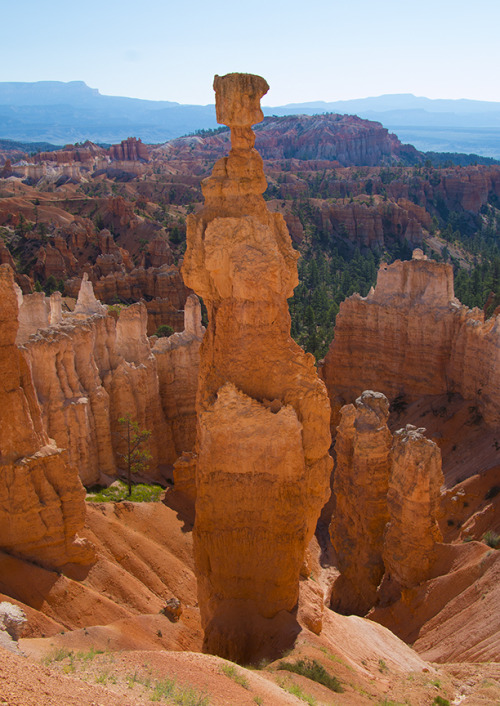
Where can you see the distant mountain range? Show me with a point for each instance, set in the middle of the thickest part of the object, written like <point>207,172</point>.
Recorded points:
<point>61,113</point>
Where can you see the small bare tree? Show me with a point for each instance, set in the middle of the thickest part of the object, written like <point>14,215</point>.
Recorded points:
<point>137,456</point>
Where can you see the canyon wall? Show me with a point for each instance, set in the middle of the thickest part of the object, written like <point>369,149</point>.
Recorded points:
<point>88,373</point>
<point>177,361</point>
<point>94,366</point>
<point>411,337</point>
<point>262,468</point>
<point>341,139</point>
<point>42,501</point>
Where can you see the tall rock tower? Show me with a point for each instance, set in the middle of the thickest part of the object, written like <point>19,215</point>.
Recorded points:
<point>262,464</point>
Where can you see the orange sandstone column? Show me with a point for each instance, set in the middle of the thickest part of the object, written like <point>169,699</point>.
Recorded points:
<point>262,465</point>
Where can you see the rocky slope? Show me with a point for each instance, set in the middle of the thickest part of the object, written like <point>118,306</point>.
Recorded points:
<point>262,411</point>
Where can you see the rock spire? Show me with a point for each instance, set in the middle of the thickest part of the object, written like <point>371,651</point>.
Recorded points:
<point>263,415</point>
<point>361,482</point>
<point>387,490</point>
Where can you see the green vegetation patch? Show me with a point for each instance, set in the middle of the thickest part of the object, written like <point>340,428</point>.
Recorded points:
<point>295,690</point>
<point>118,491</point>
<point>440,701</point>
<point>313,670</point>
<point>164,331</point>
<point>233,673</point>
<point>492,539</point>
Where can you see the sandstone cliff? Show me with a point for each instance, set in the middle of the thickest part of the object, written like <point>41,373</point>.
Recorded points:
<point>360,485</point>
<point>42,501</point>
<point>263,438</point>
<point>129,149</point>
<point>177,362</point>
<point>410,337</point>
<point>88,373</point>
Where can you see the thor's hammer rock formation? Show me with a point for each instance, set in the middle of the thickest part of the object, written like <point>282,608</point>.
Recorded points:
<point>262,464</point>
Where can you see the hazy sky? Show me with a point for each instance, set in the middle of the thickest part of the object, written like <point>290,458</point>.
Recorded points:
<point>307,50</point>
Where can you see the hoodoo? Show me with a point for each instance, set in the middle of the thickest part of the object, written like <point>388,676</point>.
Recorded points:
<point>361,482</point>
<point>262,465</point>
<point>413,500</point>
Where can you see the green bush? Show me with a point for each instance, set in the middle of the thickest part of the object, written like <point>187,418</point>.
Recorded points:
<point>439,701</point>
<point>141,493</point>
<point>492,539</point>
<point>164,331</point>
<point>313,670</point>
<point>230,671</point>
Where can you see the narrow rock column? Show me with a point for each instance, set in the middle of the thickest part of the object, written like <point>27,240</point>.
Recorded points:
<point>87,303</point>
<point>263,415</point>
<point>413,500</point>
<point>361,481</point>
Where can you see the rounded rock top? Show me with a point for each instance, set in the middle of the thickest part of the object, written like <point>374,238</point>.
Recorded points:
<point>237,99</point>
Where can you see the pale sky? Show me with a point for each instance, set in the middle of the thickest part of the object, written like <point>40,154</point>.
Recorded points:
<point>307,50</point>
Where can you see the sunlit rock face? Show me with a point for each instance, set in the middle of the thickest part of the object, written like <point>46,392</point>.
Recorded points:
<point>413,501</point>
<point>42,501</point>
<point>361,482</point>
<point>410,336</point>
<point>387,490</point>
<point>90,371</point>
<point>263,436</point>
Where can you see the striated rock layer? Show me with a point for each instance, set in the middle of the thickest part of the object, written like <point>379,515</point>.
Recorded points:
<point>177,362</point>
<point>90,372</point>
<point>411,337</point>
<point>360,485</point>
<point>263,438</point>
<point>42,501</point>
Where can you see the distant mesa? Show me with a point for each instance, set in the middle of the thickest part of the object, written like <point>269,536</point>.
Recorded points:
<point>74,112</point>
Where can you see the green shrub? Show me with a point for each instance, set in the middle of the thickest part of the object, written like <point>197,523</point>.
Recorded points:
<point>492,539</point>
<point>295,690</point>
<point>230,671</point>
<point>164,331</point>
<point>439,701</point>
<point>313,670</point>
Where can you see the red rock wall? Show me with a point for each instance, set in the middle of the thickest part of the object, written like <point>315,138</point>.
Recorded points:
<point>87,375</point>
<point>360,485</point>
